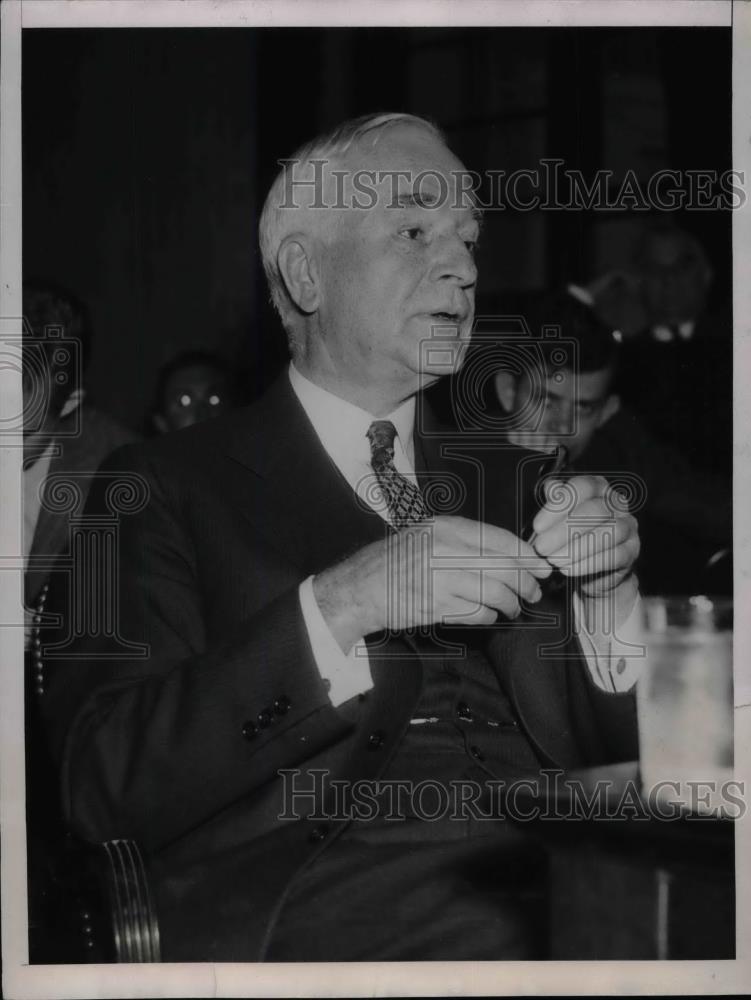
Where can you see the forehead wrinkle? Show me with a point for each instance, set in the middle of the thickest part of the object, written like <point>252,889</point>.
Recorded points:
<point>415,200</point>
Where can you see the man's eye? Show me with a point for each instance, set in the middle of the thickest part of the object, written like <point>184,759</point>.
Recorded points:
<point>413,232</point>
<point>471,245</point>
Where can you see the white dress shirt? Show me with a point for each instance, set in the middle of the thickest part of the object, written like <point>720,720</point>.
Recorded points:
<point>33,481</point>
<point>342,430</point>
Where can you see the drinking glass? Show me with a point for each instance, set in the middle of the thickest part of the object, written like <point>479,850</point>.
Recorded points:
<point>685,697</point>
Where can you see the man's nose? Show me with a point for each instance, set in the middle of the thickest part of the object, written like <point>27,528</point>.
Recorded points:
<point>455,262</point>
<point>560,420</point>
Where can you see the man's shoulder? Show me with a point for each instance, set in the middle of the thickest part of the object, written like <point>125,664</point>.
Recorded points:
<point>193,448</point>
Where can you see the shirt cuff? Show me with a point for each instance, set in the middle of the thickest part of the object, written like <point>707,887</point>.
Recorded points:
<point>615,661</point>
<point>345,675</point>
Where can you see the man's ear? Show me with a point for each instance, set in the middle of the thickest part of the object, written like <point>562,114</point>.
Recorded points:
<point>299,273</point>
<point>611,407</point>
<point>505,389</point>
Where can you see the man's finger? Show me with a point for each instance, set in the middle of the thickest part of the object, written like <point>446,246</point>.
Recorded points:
<point>520,582</point>
<point>591,516</point>
<point>490,592</point>
<point>481,546</point>
<point>604,561</point>
<point>563,497</point>
<point>575,540</point>
<point>467,613</point>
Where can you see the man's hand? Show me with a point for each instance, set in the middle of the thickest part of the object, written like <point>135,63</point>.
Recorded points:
<point>451,570</point>
<point>585,531</point>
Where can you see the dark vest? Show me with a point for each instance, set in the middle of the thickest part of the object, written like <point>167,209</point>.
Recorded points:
<point>464,732</point>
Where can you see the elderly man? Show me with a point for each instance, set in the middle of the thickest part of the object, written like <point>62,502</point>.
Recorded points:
<point>329,598</point>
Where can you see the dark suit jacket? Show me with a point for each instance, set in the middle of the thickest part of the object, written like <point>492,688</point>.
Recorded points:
<point>241,510</point>
<point>683,390</point>
<point>80,455</point>
<point>685,516</point>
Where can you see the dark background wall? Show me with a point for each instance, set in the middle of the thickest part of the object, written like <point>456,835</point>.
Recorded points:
<point>147,155</point>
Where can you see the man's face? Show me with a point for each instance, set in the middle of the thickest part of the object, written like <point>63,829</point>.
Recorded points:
<point>560,408</point>
<point>193,394</point>
<point>674,280</point>
<point>399,274</point>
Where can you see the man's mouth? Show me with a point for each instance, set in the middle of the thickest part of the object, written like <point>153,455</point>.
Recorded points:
<point>447,317</point>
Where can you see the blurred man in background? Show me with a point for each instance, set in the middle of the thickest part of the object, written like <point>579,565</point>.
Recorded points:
<point>194,386</point>
<point>678,352</point>
<point>64,434</point>
<point>65,439</point>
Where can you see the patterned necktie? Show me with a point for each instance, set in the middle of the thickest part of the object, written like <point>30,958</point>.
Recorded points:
<point>404,500</point>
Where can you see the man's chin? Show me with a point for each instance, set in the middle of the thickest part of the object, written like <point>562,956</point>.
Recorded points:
<point>440,357</point>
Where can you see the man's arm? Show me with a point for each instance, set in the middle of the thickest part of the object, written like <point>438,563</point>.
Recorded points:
<point>150,748</point>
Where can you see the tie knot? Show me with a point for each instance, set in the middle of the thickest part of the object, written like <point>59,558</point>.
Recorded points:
<point>381,434</point>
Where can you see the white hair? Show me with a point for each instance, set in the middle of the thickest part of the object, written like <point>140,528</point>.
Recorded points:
<point>277,222</point>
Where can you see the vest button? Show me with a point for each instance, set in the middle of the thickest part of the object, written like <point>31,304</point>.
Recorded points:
<point>476,753</point>
<point>375,740</point>
<point>249,730</point>
<point>317,834</point>
<point>282,705</point>
<point>264,718</point>
<point>464,711</point>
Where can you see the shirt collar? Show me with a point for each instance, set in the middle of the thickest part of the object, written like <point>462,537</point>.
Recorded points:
<point>342,427</point>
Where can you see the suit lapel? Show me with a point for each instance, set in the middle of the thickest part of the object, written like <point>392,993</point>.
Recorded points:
<point>305,506</point>
<point>49,539</point>
<point>80,461</point>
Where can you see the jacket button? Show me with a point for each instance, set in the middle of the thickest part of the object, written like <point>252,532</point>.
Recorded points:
<point>282,705</point>
<point>317,834</point>
<point>464,711</point>
<point>375,740</point>
<point>249,730</point>
<point>476,753</point>
<point>264,718</point>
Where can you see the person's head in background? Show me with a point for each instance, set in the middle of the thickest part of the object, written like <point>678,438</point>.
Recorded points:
<point>562,396</point>
<point>56,346</point>
<point>192,387</point>
<point>674,273</point>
